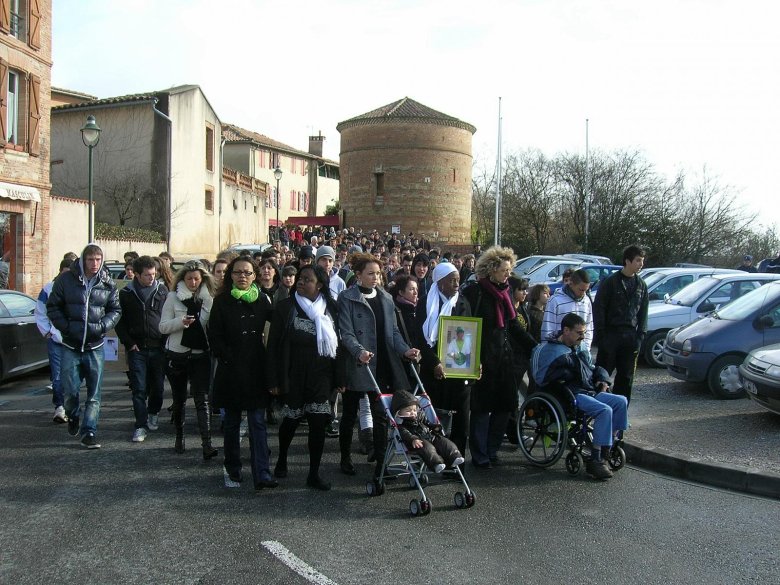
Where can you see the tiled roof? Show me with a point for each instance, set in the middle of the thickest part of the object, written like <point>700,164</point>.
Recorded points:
<point>233,133</point>
<point>133,97</point>
<point>405,109</point>
<point>70,92</point>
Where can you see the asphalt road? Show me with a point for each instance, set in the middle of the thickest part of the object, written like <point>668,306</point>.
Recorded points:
<point>138,513</point>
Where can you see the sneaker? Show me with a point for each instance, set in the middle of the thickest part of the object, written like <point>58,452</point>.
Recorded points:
<point>598,469</point>
<point>50,387</point>
<point>439,468</point>
<point>73,426</point>
<point>139,435</point>
<point>153,422</point>
<point>458,461</point>
<point>230,482</point>
<point>59,415</point>
<point>90,441</point>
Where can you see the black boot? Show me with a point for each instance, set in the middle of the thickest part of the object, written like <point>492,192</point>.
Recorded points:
<point>204,425</point>
<point>178,422</point>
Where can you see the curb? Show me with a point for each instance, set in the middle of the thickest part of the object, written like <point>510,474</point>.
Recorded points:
<point>732,477</point>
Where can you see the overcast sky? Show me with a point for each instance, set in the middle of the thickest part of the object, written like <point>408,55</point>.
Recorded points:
<point>689,82</point>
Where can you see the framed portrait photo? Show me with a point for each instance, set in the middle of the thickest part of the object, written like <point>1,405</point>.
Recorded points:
<point>459,342</point>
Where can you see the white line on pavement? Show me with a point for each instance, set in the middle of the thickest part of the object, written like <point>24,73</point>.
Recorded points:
<point>296,564</point>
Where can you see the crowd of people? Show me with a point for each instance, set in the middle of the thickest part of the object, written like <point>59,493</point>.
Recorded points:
<point>304,330</point>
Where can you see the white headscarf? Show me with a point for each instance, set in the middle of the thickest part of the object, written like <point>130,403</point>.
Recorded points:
<point>323,324</point>
<point>437,304</point>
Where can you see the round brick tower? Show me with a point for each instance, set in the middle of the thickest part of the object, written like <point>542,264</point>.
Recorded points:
<point>409,165</point>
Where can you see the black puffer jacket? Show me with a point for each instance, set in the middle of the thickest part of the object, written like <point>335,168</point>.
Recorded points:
<point>614,309</point>
<point>140,322</point>
<point>83,313</point>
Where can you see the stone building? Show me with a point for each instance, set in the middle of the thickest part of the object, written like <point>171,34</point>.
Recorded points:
<point>407,166</point>
<point>25,206</point>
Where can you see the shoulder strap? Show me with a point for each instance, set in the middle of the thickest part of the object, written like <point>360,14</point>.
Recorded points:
<point>402,324</point>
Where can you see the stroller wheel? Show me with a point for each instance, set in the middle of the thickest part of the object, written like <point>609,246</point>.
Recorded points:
<point>414,507</point>
<point>370,488</point>
<point>617,458</point>
<point>374,488</point>
<point>425,507</point>
<point>412,484</point>
<point>471,499</point>
<point>460,500</point>
<point>573,462</point>
<point>424,479</point>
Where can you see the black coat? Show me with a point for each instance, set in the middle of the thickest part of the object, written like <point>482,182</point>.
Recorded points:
<point>140,322</point>
<point>236,340</point>
<point>83,318</point>
<point>497,389</point>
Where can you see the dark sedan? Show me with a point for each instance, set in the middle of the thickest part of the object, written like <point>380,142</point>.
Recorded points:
<point>760,376</point>
<point>22,347</point>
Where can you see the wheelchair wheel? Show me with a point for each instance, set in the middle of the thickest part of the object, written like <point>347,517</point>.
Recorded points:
<point>573,462</point>
<point>542,429</point>
<point>617,458</point>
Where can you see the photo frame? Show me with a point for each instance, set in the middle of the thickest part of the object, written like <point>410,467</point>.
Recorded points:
<point>460,339</point>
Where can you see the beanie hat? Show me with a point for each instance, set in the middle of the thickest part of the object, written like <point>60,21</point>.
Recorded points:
<point>306,252</point>
<point>402,399</point>
<point>325,251</point>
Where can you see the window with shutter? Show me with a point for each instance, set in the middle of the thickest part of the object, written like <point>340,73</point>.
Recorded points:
<point>3,102</point>
<point>34,115</point>
<point>34,23</point>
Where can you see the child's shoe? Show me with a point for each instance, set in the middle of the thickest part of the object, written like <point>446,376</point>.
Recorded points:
<point>439,467</point>
<point>458,461</point>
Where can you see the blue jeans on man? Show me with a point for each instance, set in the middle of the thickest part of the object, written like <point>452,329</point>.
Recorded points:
<point>55,360</point>
<point>147,379</point>
<point>609,413</point>
<point>76,366</point>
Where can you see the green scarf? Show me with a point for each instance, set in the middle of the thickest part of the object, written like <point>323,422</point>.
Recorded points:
<point>248,296</point>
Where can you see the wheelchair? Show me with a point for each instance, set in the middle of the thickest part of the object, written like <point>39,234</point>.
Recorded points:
<point>549,423</point>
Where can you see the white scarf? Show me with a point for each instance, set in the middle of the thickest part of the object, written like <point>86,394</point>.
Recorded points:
<point>323,324</point>
<point>437,304</point>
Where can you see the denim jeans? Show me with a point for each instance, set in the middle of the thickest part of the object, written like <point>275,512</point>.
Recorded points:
<point>74,367</point>
<point>258,443</point>
<point>55,360</point>
<point>609,412</point>
<point>147,377</point>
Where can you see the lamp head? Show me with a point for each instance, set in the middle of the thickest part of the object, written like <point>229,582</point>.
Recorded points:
<point>90,133</point>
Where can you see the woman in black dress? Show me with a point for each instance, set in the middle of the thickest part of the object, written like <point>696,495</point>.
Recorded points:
<point>302,366</point>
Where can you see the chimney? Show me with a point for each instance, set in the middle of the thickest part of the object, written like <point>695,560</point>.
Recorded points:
<point>315,144</point>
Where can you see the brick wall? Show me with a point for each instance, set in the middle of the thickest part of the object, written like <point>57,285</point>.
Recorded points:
<point>20,168</point>
<point>426,169</point>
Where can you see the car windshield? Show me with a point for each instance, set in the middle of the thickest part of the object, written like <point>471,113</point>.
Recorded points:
<point>654,278</point>
<point>693,292</point>
<point>544,264</point>
<point>746,305</point>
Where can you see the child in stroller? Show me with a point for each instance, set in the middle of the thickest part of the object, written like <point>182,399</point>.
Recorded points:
<point>422,437</point>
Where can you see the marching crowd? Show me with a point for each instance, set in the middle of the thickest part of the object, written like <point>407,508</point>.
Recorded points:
<point>305,329</point>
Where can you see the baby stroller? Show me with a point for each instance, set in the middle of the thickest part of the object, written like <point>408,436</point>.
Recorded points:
<point>399,462</point>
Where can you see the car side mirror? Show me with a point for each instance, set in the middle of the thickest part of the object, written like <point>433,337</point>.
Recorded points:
<point>765,321</point>
<point>706,308</point>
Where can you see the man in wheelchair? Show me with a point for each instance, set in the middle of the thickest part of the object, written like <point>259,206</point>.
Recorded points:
<point>560,360</point>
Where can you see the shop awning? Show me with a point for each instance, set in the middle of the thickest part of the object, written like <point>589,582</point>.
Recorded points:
<point>323,220</point>
<point>19,192</point>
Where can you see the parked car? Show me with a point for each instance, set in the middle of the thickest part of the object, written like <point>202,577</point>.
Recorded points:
<point>694,301</point>
<point>590,258</point>
<point>711,349</point>
<point>596,273</point>
<point>527,264</point>
<point>116,269</point>
<point>760,376</point>
<point>250,249</point>
<point>551,271</point>
<point>667,281</point>
<point>22,347</point>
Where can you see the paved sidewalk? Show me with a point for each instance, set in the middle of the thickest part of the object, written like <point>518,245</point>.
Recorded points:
<point>679,429</point>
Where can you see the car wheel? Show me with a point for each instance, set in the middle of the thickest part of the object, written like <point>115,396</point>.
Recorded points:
<point>723,377</point>
<point>654,349</point>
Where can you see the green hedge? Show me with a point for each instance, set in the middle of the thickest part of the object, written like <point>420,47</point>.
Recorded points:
<point>104,231</point>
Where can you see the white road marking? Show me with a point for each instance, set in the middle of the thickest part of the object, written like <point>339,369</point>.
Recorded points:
<point>296,564</point>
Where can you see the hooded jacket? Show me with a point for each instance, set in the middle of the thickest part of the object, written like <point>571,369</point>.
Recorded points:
<point>84,310</point>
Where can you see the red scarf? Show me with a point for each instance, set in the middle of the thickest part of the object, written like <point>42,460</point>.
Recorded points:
<point>504,304</point>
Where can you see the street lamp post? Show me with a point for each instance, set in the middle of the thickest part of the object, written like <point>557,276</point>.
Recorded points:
<point>90,136</point>
<point>278,177</point>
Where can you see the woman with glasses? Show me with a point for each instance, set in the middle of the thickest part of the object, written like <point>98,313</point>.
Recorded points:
<point>301,366</point>
<point>184,319</point>
<point>238,319</point>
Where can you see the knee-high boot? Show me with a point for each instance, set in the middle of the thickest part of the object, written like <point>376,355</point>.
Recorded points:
<point>204,425</point>
<point>178,422</point>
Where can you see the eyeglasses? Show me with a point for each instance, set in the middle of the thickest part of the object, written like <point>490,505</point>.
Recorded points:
<point>246,273</point>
